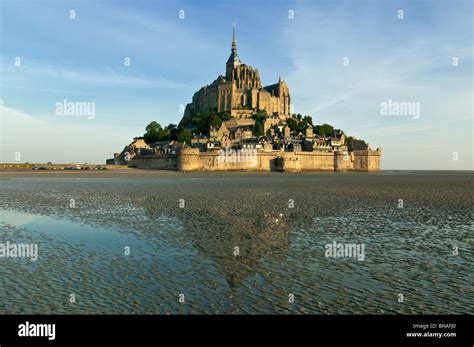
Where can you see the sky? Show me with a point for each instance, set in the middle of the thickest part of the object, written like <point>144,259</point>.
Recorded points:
<point>342,61</point>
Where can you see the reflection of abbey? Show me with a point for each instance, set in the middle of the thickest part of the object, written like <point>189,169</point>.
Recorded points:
<point>235,123</point>
<point>240,92</point>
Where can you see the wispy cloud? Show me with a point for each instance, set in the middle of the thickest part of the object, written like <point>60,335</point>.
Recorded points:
<point>104,76</point>
<point>39,140</point>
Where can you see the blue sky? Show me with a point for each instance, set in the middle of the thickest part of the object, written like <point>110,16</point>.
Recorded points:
<point>404,60</point>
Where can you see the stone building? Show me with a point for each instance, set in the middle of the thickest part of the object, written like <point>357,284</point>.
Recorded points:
<point>240,93</point>
<point>130,151</point>
<point>243,134</point>
<point>217,134</point>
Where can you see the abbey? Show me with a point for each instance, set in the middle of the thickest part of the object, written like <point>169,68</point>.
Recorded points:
<point>240,93</point>
<point>236,115</point>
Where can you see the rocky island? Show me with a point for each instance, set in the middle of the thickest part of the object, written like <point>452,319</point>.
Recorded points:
<point>235,123</point>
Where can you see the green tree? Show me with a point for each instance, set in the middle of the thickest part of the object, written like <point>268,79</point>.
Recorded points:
<point>224,116</point>
<point>153,132</point>
<point>259,118</point>
<point>215,121</point>
<point>257,129</point>
<point>323,130</point>
<point>203,121</point>
<point>292,124</point>
<point>261,113</point>
<point>185,135</point>
<point>172,131</point>
<point>307,120</point>
<point>298,123</point>
<point>348,142</point>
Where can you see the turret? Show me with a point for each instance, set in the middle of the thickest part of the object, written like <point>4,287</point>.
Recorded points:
<point>189,159</point>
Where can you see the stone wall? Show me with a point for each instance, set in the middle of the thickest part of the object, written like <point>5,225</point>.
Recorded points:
<point>190,159</point>
<point>214,161</point>
<point>157,162</point>
<point>320,161</point>
<point>343,161</point>
<point>368,160</point>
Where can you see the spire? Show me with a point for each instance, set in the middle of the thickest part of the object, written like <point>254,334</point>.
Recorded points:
<point>234,45</point>
<point>279,79</point>
<point>234,57</point>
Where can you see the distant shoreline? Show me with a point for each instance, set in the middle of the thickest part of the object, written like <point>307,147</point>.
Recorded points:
<point>124,172</point>
<point>54,167</point>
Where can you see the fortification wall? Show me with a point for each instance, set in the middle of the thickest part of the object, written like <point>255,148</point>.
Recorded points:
<point>368,160</point>
<point>190,159</point>
<point>343,161</point>
<point>157,162</point>
<point>320,161</point>
<point>290,162</point>
<point>259,161</point>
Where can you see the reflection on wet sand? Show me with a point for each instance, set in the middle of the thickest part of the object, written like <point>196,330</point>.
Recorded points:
<point>236,236</point>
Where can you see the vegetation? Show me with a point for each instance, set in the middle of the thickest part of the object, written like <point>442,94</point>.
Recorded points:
<point>154,132</point>
<point>348,143</point>
<point>298,123</point>
<point>203,121</point>
<point>185,136</point>
<point>323,130</point>
<point>259,118</point>
<point>257,129</point>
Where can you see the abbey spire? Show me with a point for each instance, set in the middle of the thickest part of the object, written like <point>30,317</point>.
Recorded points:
<point>234,45</point>
<point>233,60</point>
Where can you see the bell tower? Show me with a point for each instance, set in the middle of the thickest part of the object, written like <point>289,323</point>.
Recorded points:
<point>233,60</point>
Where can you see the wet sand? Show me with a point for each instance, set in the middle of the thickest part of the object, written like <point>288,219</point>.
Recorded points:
<point>183,228</point>
<point>142,173</point>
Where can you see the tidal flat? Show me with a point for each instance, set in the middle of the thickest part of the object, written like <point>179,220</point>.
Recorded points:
<point>237,243</point>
